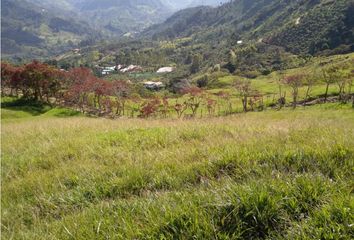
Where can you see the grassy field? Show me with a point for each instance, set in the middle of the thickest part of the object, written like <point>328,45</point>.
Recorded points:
<point>271,175</point>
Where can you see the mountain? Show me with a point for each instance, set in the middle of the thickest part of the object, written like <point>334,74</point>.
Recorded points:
<point>31,31</point>
<point>122,16</point>
<point>182,4</point>
<point>42,28</point>
<point>301,27</point>
<point>242,36</point>
<point>195,3</point>
<point>117,17</point>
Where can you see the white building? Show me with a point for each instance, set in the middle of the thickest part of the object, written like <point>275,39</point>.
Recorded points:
<point>154,85</point>
<point>131,68</point>
<point>165,70</point>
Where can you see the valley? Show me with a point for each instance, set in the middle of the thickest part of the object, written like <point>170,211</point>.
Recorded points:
<point>163,119</point>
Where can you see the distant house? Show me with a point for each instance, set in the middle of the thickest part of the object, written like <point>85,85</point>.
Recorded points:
<point>132,68</point>
<point>108,70</point>
<point>119,67</point>
<point>111,68</point>
<point>297,22</point>
<point>154,85</point>
<point>239,42</point>
<point>165,70</point>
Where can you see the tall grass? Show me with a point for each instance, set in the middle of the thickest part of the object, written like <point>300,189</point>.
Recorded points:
<point>271,175</point>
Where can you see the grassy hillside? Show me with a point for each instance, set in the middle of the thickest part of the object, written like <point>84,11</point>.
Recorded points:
<point>270,175</point>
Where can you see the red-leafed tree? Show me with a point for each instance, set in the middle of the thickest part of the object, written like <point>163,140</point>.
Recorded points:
<point>211,105</point>
<point>37,81</point>
<point>120,90</point>
<point>100,88</point>
<point>180,108</point>
<point>79,82</point>
<point>195,97</point>
<point>165,107</point>
<point>7,75</point>
<point>150,107</point>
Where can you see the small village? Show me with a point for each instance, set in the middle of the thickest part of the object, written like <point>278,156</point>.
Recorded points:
<point>122,69</point>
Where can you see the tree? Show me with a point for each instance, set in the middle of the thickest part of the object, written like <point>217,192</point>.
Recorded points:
<point>351,78</point>
<point>100,88</point>
<point>244,89</point>
<point>121,92</point>
<point>40,81</point>
<point>195,96</point>
<point>165,107</point>
<point>257,101</point>
<point>282,94</point>
<point>150,107</point>
<point>232,62</point>
<point>203,81</point>
<point>196,63</point>
<point>79,82</point>
<point>211,104</point>
<point>180,108</point>
<point>7,73</point>
<point>329,75</point>
<point>295,82</point>
<point>309,81</point>
<point>225,97</point>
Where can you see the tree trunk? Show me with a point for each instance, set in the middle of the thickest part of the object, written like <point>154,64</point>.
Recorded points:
<point>123,107</point>
<point>280,91</point>
<point>244,103</point>
<point>99,102</point>
<point>295,94</point>
<point>307,94</point>
<point>326,93</point>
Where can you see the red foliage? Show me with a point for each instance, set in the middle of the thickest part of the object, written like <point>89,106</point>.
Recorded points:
<point>36,80</point>
<point>79,76</point>
<point>195,97</point>
<point>150,107</point>
<point>180,109</point>
<point>211,104</point>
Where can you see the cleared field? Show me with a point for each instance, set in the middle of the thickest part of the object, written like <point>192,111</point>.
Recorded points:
<point>269,175</point>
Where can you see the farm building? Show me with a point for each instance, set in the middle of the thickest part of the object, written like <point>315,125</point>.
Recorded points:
<point>154,85</point>
<point>165,70</point>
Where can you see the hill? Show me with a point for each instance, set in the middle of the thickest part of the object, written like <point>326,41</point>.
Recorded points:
<point>301,27</point>
<point>122,16</point>
<point>31,31</point>
<point>116,17</point>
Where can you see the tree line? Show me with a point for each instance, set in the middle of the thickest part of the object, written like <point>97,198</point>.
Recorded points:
<point>80,89</point>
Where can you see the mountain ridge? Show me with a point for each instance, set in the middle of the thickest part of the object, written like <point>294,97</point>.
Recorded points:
<point>272,21</point>
<point>28,30</point>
